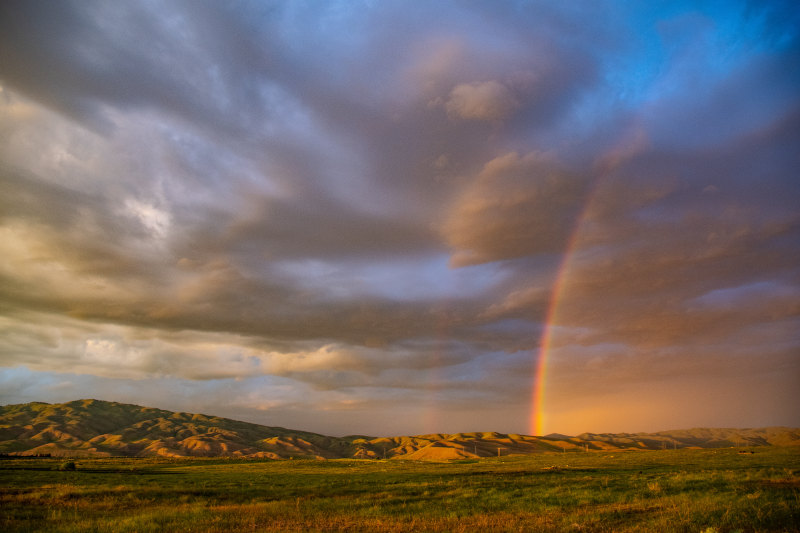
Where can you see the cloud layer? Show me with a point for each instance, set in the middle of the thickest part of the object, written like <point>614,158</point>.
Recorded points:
<point>352,218</point>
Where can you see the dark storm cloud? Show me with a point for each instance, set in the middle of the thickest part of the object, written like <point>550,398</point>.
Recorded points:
<point>724,218</point>
<point>516,206</point>
<point>85,58</point>
<point>362,203</point>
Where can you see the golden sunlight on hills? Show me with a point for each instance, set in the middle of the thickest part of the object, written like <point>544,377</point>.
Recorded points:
<point>98,428</point>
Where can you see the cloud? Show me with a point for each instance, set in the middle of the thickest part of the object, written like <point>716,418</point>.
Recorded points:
<point>515,206</point>
<point>489,101</point>
<point>769,292</point>
<point>355,208</point>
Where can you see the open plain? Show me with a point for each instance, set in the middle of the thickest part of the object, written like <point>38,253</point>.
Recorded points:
<point>708,490</point>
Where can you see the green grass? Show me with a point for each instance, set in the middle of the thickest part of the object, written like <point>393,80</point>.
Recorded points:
<point>683,490</point>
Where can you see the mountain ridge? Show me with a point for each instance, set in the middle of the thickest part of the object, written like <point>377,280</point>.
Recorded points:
<point>100,428</point>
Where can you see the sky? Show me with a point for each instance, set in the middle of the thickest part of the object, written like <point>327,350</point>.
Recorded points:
<point>392,218</point>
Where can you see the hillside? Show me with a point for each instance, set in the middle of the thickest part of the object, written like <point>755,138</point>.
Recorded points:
<point>99,428</point>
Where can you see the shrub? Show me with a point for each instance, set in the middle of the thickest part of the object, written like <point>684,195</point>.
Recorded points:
<point>67,465</point>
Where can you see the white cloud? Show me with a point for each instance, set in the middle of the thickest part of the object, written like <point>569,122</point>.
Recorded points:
<point>155,220</point>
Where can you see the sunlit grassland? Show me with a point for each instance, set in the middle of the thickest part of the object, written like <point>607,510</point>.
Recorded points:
<point>680,490</point>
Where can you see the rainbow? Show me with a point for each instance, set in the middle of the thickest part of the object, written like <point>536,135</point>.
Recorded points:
<point>537,412</point>
<point>537,393</point>
<point>605,166</point>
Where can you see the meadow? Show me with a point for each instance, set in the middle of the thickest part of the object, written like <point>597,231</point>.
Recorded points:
<point>686,490</point>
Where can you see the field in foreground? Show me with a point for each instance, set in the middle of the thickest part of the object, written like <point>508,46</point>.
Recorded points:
<point>671,490</point>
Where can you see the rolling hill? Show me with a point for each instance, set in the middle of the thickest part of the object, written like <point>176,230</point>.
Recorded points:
<point>100,428</point>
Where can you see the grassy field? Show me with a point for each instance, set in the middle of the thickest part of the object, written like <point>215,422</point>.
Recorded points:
<point>673,490</point>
